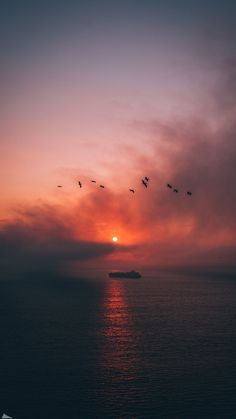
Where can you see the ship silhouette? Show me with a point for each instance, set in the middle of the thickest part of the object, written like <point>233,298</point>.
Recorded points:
<point>129,274</point>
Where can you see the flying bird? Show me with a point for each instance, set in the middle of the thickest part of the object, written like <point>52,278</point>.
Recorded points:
<point>189,193</point>
<point>175,190</point>
<point>146,178</point>
<point>131,190</point>
<point>102,186</point>
<point>80,184</point>
<point>94,181</point>
<point>144,183</point>
<point>169,186</point>
<point>59,186</point>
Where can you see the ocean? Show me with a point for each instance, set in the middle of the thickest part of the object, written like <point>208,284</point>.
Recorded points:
<point>156,347</point>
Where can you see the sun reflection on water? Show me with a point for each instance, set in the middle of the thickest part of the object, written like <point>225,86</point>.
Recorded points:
<point>120,345</point>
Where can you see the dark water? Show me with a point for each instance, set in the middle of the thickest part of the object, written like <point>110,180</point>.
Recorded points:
<point>148,348</point>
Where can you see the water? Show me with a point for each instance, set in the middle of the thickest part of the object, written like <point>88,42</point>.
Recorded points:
<point>159,347</point>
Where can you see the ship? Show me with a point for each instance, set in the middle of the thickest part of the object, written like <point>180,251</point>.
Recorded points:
<point>129,274</point>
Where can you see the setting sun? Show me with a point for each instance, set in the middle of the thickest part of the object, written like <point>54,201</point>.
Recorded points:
<point>114,239</point>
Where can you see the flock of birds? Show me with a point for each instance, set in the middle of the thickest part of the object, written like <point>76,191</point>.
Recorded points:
<point>144,182</point>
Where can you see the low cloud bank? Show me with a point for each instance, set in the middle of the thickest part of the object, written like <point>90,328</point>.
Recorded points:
<point>39,241</point>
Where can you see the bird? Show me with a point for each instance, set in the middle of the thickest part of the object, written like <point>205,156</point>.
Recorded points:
<point>131,190</point>
<point>146,178</point>
<point>94,181</point>
<point>175,190</point>
<point>169,186</point>
<point>189,193</point>
<point>59,186</point>
<point>102,186</point>
<point>80,184</point>
<point>144,183</point>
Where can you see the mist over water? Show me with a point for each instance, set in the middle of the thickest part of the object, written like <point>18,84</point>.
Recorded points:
<point>157,347</point>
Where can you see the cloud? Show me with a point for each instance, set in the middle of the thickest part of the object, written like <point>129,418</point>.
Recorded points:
<point>155,226</point>
<point>197,154</point>
<point>40,239</point>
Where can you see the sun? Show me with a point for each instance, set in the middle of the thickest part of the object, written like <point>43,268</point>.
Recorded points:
<point>114,239</point>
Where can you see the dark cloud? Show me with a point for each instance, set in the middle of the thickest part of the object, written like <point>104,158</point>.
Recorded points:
<point>39,239</point>
<point>202,161</point>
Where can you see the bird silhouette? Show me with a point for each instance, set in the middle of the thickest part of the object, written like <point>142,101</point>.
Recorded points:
<point>169,186</point>
<point>94,181</point>
<point>175,190</point>
<point>102,186</point>
<point>131,190</point>
<point>80,184</point>
<point>59,186</point>
<point>144,183</point>
<point>146,178</point>
<point>189,193</point>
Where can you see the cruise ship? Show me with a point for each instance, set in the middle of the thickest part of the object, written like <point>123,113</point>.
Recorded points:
<point>129,274</point>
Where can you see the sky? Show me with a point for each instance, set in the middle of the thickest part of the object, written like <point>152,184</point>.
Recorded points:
<point>115,91</point>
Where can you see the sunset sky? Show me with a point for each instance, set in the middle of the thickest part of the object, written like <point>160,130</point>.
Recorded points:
<point>115,91</point>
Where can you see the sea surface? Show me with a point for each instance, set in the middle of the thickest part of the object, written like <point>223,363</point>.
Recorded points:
<point>155,347</point>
